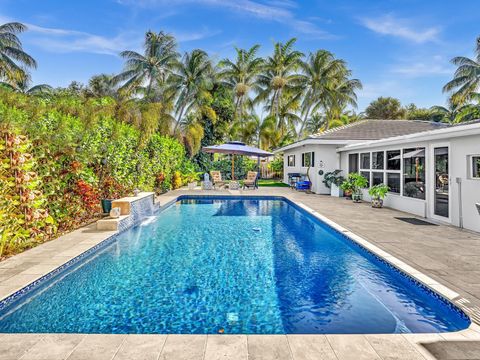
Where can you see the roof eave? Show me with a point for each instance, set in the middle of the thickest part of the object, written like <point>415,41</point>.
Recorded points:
<point>448,132</point>
<point>314,141</point>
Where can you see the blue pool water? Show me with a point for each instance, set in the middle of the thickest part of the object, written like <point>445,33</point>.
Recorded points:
<point>234,266</point>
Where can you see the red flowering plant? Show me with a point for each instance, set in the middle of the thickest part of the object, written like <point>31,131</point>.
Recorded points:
<point>88,194</point>
<point>111,188</point>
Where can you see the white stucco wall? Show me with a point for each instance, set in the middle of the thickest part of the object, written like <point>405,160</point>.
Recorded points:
<point>395,201</point>
<point>461,148</point>
<point>325,153</point>
<point>460,151</point>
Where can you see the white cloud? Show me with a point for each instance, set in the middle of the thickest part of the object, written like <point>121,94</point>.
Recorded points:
<point>66,40</point>
<point>274,10</point>
<point>402,28</point>
<point>425,66</point>
<point>422,69</point>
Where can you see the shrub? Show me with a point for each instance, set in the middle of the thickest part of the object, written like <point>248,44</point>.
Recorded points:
<point>60,156</point>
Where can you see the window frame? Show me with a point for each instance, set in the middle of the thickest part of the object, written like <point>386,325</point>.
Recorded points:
<point>357,165</point>
<point>471,166</point>
<point>384,170</point>
<point>312,159</point>
<point>291,157</point>
<point>360,167</point>
<point>425,180</point>
<point>372,162</point>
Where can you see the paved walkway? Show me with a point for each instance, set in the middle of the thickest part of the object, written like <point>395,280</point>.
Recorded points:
<point>447,254</point>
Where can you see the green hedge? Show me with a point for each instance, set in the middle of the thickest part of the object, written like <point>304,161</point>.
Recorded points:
<point>77,152</point>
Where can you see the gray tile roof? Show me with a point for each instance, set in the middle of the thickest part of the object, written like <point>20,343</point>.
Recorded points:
<point>377,129</point>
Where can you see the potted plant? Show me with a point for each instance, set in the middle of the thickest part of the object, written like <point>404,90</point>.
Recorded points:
<point>378,193</point>
<point>333,180</point>
<point>347,187</point>
<point>355,183</point>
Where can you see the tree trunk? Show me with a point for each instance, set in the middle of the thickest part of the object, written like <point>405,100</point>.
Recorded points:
<point>303,123</point>
<point>179,119</point>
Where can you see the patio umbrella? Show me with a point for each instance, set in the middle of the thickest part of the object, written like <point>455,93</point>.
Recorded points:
<point>236,148</point>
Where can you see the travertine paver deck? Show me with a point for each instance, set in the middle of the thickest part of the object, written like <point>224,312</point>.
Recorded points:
<point>447,254</point>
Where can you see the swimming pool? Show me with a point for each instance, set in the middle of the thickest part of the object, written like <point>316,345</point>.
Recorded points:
<point>232,265</point>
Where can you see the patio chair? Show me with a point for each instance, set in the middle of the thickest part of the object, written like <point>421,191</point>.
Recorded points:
<point>251,180</point>
<point>217,179</point>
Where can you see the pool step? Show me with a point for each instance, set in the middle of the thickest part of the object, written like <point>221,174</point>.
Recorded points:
<point>109,223</point>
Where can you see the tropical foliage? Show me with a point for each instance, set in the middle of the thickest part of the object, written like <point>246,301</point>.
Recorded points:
<point>60,156</point>
<point>64,149</point>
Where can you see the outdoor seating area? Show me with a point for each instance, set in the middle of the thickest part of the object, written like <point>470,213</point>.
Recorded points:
<point>215,181</point>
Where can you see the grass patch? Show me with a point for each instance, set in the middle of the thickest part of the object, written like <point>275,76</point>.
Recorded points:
<point>271,183</point>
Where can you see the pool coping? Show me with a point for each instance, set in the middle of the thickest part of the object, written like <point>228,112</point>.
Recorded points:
<point>434,286</point>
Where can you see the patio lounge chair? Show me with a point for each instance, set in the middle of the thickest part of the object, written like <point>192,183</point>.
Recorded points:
<point>251,180</point>
<point>217,179</point>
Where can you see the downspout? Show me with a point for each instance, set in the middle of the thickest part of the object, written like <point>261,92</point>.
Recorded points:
<point>460,204</point>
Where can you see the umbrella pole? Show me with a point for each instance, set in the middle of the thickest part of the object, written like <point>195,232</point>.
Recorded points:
<point>233,166</point>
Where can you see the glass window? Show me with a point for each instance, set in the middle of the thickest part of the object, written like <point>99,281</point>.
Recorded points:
<point>291,160</point>
<point>308,159</point>
<point>393,160</point>
<point>366,174</point>
<point>377,160</point>
<point>393,182</point>
<point>414,173</point>
<point>476,166</point>
<point>352,163</point>
<point>365,161</point>
<point>377,178</point>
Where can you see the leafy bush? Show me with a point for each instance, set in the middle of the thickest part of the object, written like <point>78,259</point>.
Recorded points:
<point>276,165</point>
<point>60,156</point>
<point>333,177</point>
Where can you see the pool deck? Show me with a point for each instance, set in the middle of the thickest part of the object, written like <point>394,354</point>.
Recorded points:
<point>445,257</point>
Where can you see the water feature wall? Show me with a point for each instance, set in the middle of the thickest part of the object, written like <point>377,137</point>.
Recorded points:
<point>140,208</point>
<point>132,211</point>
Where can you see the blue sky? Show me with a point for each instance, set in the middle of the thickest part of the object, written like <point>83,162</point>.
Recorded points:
<point>397,48</point>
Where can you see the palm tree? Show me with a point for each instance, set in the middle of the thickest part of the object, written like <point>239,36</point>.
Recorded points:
<point>466,80</point>
<point>192,81</point>
<point>279,76</point>
<point>322,74</point>
<point>13,60</point>
<point>23,86</point>
<point>341,95</point>
<point>102,85</point>
<point>314,123</point>
<point>456,113</point>
<point>286,116</point>
<point>153,67</point>
<point>328,87</point>
<point>241,77</point>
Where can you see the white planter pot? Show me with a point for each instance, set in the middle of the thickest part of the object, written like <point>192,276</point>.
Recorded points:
<point>192,185</point>
<point>336,191</point>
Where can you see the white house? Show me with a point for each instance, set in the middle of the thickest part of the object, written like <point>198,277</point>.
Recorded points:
<point>432,169</point>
